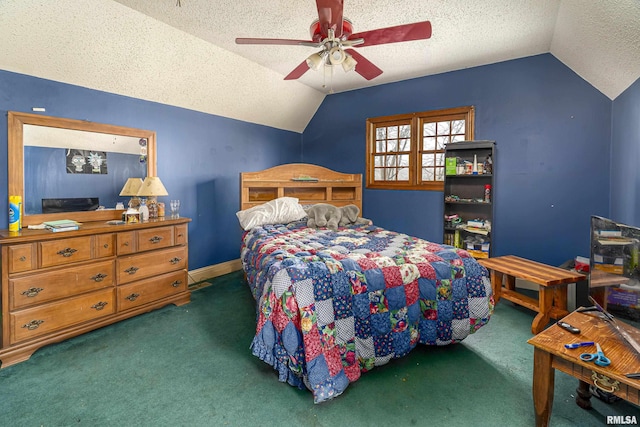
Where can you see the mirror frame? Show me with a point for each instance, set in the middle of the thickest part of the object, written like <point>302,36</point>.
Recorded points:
<point>16,121</point>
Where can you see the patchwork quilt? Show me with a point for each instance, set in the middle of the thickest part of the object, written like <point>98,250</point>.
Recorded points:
<point>334,304</point>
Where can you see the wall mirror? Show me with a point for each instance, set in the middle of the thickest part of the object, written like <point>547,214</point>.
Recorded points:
<point>58,158</point>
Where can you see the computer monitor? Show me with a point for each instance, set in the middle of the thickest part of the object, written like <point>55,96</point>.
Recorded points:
<point>614,279</point>
<point>70,204</point>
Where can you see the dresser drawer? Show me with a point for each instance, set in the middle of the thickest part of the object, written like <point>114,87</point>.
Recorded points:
<point>21,258</point>
<point>65,251</point>
<point>152,289</point>
<point>126,243</point>
<point>181,234</point>
<point>155,238</point>
<point>44,287</point>
<point>33,322</point>
<point>136,267</point>
<point>105,245</point>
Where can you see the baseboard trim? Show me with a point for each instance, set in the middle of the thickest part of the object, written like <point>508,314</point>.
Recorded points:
<point>215,270</point>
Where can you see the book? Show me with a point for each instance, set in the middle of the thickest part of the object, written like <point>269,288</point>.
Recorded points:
<point>59,229</point>
<point>61,225</point>
<point>305,179</point>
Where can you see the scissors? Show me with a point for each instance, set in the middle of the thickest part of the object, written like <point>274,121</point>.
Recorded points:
<point>598,357</point>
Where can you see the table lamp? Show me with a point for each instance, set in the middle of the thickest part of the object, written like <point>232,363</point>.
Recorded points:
<point>152,188</point>
<point>131,188</point>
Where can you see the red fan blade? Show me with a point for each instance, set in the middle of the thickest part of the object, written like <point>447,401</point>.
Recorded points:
<point>330,16</point>
<point>241,40</point>
<point>400,33</point>
<point>364,67</point>
<point>298,71</point>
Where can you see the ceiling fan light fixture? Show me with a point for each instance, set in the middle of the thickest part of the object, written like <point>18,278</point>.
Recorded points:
<point>316,60</point>
<point>336,55</point>
<point>349,64</point>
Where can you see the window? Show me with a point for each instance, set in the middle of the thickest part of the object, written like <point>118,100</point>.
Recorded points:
<point>407,151</point>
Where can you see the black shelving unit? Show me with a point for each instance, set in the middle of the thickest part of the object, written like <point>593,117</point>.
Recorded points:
<point>464,196</point>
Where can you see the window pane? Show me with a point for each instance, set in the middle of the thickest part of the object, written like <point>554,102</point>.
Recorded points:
<point>381,133</point>
<point>429,129</point>
<point>439,174</point>
<point>442,141</point>
<point>444,128</point>
<point>429,144</point>
<point>379,174</point>
<point>440,159</point>
<point>427,160</point>
<point>405,131</point>
<point>405,145</point>
<point>457,138</point>
<point>380,146</point>
<point>392,145</point>
<point>391,161</point>
<point>427,174</point>
<point>390,174</point>
<point>393,132</point>
<point>403,174</point>
<point>403,160</point>
<point>378,161</point>
<point>457,126</point>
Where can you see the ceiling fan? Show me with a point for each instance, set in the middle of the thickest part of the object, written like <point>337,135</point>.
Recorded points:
<point>333,34</point>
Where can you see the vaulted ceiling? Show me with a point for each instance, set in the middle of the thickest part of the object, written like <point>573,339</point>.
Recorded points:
<point>182,52</point>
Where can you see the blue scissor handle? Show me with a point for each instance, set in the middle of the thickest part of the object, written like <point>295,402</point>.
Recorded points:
<point>598,357</point>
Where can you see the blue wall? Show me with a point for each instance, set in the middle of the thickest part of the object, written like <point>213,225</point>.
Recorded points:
<point>200,156</point>
<point>625,157</point>
<point>553,134</point>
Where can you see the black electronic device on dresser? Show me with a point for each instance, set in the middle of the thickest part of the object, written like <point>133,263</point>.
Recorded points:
<point>468,196</point>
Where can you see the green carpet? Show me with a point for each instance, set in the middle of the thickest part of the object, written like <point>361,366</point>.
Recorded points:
<point>191,366</point>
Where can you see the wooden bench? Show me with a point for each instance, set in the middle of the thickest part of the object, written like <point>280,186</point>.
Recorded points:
<point>552,286</point>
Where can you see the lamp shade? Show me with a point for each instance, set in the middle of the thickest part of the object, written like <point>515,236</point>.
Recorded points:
<point>151,187</point>
<point>349,63</point>
<point>317,60</point>
<point>131,187</point>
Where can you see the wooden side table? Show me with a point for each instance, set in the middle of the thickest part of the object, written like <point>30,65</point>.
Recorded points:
<point>550,354</point>
<point>552,283</point>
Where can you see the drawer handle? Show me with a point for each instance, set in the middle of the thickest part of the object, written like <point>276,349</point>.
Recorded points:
<point>126,243</point>
<point>99,277</point>
<point>32,292</point>
<point>99,306</point>
<point>175,260</point>
<point>131,270</point>
<point>33,325</point>
<point>23,258</point>
<point>67,252</point>
<point>155,239</point>
<point>106,245</point>
<point>180,235</point>
<point>604,383</point>
<point>177,283</point>
<point>132,297</point>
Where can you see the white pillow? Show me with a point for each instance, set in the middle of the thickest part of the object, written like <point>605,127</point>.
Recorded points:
<point>278,211</point>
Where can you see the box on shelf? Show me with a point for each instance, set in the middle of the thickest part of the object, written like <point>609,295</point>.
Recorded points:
<point>450,165</point>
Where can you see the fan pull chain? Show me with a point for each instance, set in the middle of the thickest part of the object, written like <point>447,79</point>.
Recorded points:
<point>324,84</point>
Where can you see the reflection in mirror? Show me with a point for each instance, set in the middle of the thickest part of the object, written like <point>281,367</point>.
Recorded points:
<point>64,163</point>
<point>58,158</point>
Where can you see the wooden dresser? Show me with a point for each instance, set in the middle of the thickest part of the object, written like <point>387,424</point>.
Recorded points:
<point>59,285</point>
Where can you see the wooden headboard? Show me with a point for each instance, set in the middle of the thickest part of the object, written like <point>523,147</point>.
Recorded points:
<point>299,180</point>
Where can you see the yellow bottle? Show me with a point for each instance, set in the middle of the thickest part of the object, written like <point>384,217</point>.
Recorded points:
<point>15,211</point>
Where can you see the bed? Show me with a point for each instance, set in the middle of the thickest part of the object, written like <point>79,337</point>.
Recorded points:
<point>331,305</point>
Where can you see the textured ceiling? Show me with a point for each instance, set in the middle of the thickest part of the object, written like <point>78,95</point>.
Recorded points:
<point>183,52</point>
